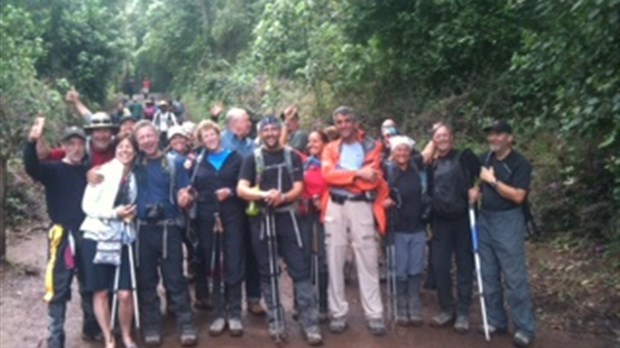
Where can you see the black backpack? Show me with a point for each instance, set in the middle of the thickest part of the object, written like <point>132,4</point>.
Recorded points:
<point>449,189</point>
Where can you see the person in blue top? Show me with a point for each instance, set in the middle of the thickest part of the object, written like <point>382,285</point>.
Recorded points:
<point>214,178</point>
<point>162,187</point>
<point>236,138</point>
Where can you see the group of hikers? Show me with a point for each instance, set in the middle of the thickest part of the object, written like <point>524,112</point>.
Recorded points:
<point>126,209</point>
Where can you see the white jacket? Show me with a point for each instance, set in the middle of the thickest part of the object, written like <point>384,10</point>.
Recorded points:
<point>101,222</point>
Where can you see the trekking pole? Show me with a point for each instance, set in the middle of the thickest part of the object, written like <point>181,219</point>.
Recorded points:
<point>272,249</point>
<point>475,245</point>
<point>218,230</point>
<point>315,259</point>
<point>134,287</point>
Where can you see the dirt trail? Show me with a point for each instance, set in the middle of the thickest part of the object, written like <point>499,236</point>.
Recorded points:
<point>23,317</point>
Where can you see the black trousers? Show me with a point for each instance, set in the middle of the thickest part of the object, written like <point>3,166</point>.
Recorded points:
<point>234,259</point>
<point>451,237</point>
<point>152,256</point>
<point>252,277</point>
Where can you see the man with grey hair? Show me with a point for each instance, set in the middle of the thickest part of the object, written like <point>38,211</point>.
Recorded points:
<point>236,138</point>
<point>351,167</point>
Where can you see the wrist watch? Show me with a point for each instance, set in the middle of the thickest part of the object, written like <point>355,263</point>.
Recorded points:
<point>494,183</point>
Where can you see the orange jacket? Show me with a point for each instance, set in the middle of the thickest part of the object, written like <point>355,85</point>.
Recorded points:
<point>345,179</point>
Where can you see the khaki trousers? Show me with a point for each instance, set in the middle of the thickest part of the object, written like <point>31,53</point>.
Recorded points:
<point>352,222</point>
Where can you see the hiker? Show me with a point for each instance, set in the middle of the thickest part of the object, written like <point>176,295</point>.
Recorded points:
<point>178,141</point>
<point>108,234</point>
<point>120,112</point>
<point>146,87</point>
<point>64,183</point>
<point>178,108</point>
<point>452,177</point>
<point>126,124</point>
<point>388,130</point>
<point>315,191</point>
<point>163,120</point>
<point>506,176</point>
<point>407,179</point>
<point>162,188</point>
<point>100,130</point>
<point>236,138</point>
<point>351,166</point>
<point>296,137</point>
<point>130,87</point>
<point>149,110</point>
<point>214,181</point>
<point>137,109</point>
<point>272,178</point>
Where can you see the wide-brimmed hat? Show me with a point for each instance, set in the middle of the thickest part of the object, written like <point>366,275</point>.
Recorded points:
<point>100,120</point>
<point>162,103</point>
<point>176,130</point>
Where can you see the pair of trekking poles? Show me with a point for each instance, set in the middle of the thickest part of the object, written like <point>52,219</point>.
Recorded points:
<point>391,260</point>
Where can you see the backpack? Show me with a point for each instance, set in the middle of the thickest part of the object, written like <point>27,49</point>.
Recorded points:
<point>259,161</point>
<point>450,187</point>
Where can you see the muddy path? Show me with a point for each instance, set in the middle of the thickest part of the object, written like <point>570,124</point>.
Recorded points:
<point>23,317</point>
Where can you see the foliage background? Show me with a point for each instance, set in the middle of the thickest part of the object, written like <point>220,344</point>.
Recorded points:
<point>552,68</point>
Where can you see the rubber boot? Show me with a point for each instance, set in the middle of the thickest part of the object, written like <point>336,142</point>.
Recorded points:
<point>415,303</point>
<point>401,302</point>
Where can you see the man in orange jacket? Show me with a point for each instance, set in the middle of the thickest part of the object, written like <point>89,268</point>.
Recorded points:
<point>351,168</point>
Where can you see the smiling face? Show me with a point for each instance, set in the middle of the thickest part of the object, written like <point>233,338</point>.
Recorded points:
<point>270,135</point>
<point>315,144</point>
<point>401,155</point>
<point>101,138</point>
<point>442,138</point>
<point>148,140</point>
<point>75,150</point>
<point>499,142</point>
<point>346,126</point>
<point>210,139</point>
<point>179,144</point>
<point>125,151</point>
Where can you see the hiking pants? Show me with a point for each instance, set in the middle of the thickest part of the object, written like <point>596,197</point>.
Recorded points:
<point>297,264</point>
<point>308,223</point>
<point>252,276</point>
<point>153,254</point>
<point>61,268</point>
<point>234,259</point>
<point>502,255</point>
<point>352,222</point>
<point>453,237</point>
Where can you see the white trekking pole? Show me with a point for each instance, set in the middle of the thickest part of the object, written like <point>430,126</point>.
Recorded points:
<point>475,245</point>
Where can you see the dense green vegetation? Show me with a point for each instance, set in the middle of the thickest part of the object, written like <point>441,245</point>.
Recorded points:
<point>550,67</point>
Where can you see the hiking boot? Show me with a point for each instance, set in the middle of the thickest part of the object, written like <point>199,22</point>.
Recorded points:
<point>415,319</point>
<point>98,337</point>
<point>217,327</point>
<point>442,319</point>
<point>277,332</point>
<point>377,327</point>
<point>313,336</point>
<point>493,330</point>
<point>188,337</point>
<point>256,308</point>
<point>235,327</point>
<point>521,339</point>
<point>338,325</point>
<point>152,339</point>
<point>461,325</point>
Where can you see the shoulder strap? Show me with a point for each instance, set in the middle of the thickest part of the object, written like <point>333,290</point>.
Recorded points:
<point>171,163</point>
<point>199,159</point>
<point>423,176</point>
<point>288,161</point>
<point>259,163</point>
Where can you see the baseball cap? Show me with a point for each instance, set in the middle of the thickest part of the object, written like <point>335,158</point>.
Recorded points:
<point>73,131</point>
<point>176,130</point>
<point>499,126</point>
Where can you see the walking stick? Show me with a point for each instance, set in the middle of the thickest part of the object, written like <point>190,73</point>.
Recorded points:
<point>272,249</point>
<point>315,259</point>
<point>218,230</point>
<point>134,287</point>
<point>474,240</point>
